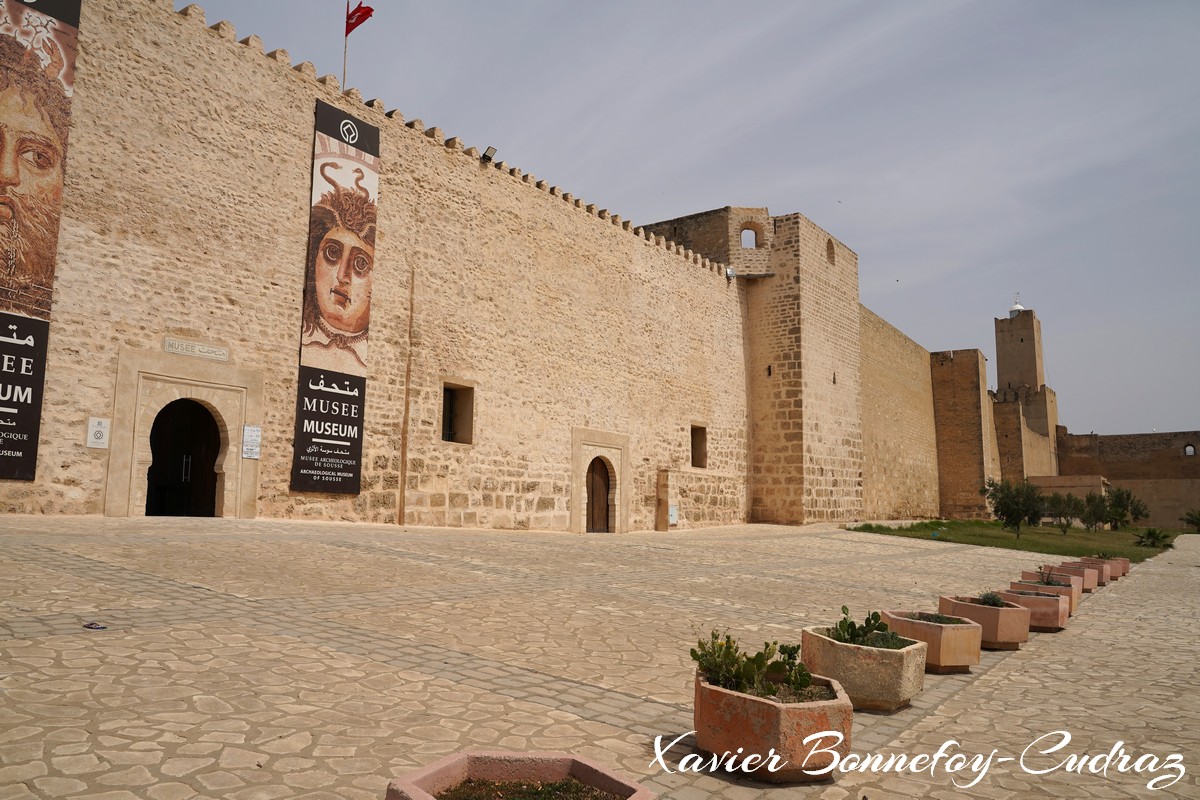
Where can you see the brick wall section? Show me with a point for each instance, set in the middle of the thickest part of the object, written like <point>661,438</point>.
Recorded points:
<point>966,431</point>
<point>561,316</point>
<point>900,474</point>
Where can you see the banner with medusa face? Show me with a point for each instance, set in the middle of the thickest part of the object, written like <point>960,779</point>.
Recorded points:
<point>38,41</point>
<point>336,312</point>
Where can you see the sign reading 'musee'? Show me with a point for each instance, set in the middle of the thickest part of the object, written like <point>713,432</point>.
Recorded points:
<point>198,349</point>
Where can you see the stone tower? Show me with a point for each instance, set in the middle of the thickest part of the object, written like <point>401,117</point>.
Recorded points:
<point>1026,410</point>
<point>801,316</point>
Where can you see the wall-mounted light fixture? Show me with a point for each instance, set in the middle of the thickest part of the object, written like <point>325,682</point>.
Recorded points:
<point>730,273</point>
<point>488,155</point>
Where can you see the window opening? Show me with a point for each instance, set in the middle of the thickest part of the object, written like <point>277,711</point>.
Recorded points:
<point>458,414</point>
<point>699,446</point>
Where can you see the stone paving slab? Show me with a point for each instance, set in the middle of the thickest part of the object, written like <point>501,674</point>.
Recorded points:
<point>260,659</point>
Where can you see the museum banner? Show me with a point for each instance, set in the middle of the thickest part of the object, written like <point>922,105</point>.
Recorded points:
<point>38,42</point>
<point>336,312</point>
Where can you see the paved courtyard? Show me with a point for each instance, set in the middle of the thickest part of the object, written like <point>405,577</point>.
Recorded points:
<point>259,660</point>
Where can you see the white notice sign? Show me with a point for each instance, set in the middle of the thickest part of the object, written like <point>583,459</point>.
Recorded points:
<point>97,432</point>
<point>251,441</point>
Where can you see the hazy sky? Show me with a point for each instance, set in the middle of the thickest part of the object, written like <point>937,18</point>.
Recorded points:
<point>965,150</point>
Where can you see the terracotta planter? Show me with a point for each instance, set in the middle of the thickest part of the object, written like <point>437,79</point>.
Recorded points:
<point>448,772</point>
<point>1046,614</point>
<point>1004,627</point>
<point>1103,570</point>
<point>1074,590</point>
<point>729,722</point>
<point>1089,575</point>
<point>1115,568</point>
<point>874,678</point>
<point>953,647</point>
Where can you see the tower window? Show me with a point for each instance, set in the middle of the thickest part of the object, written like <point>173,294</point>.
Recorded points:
<point>749,238</point>
<point>458,414</point>
<point>829,250</point>
<point>1189,450</point>
<point>699,446</point>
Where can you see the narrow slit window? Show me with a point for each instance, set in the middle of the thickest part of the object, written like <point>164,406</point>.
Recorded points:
<point>699,447</point>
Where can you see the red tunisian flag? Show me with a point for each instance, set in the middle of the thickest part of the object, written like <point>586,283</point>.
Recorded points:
<point>357,16</point>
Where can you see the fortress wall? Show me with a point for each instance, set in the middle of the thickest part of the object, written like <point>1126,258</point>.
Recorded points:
<point>1136,456</point>
<point>185,215</point>
<point>830,347</point>
<point>900,466</point>
<point>775,384</point>
<point>717,235</point>
<point>966,432</point>
<point>1010,439</point>
<point>1167,498</point>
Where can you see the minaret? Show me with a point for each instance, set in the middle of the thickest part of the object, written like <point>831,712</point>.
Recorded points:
<point>1019,350</point>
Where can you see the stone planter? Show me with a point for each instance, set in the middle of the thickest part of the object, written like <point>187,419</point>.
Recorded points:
<point>1116,569</point>
<point>729,722</point>
<point>953,647</point>
<point>1048,611</point>
<point>1089,575</point>
<point>448,772</point>
<point>874,678</point>
<point>1104,574</point>
<point>1004,627</point>
<point>1074,590</point>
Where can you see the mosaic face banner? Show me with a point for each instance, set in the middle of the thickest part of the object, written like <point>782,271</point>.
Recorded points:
<point>336,312</point>
<point>38,42</point>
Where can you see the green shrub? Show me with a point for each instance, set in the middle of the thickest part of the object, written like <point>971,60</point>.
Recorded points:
<point>990,599</point>
<point>1014,504</point>
<point>774,668</point>
<point>1153,537</point>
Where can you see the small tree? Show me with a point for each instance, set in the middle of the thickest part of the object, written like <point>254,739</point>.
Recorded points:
<point>1095,511</point>
<point>1124,508</point>
<point>1064,510</point>
<point>1013,503</point>
<point>1192,518</point>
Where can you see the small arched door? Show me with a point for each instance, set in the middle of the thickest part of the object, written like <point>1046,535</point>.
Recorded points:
<point>184,444</point>
<point>598,488</point>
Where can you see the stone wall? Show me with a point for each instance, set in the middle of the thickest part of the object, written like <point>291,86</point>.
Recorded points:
<point>900,466</point>
<point>561,316</point>
<point>1135,456</point>
<point>966,431</point>
<point>832,402</point>
<point>1167,499</point>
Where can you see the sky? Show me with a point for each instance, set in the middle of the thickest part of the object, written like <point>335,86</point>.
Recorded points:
<point>966,151</point>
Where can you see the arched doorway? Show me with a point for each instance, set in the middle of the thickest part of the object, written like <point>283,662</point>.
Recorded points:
<point>598,496</point>
<point>182,479</point>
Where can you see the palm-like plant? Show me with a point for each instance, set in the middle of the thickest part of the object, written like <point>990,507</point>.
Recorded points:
<point>1192,518</point>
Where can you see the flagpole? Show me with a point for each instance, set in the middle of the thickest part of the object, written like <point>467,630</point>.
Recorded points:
<point>345,47</point>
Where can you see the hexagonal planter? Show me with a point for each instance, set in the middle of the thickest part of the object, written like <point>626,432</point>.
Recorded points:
<point>1115,568</point>
<point>1048,611</point>
<point>953,647</point>
<point>1089,575</point>
<point>874,678</point>
<point>1103,571</point>
<point>1073,590</point>
<point>1004,627</point>
<point>448,772</point>
<point>728,721</point>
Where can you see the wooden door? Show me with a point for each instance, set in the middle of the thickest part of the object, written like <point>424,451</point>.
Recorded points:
<point>597,496</point>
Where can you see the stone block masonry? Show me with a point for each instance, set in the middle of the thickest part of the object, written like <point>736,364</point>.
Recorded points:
<point>966,432</point>
<point>900,459</point>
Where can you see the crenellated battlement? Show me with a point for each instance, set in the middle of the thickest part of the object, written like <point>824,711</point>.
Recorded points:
<point>224,30</point>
